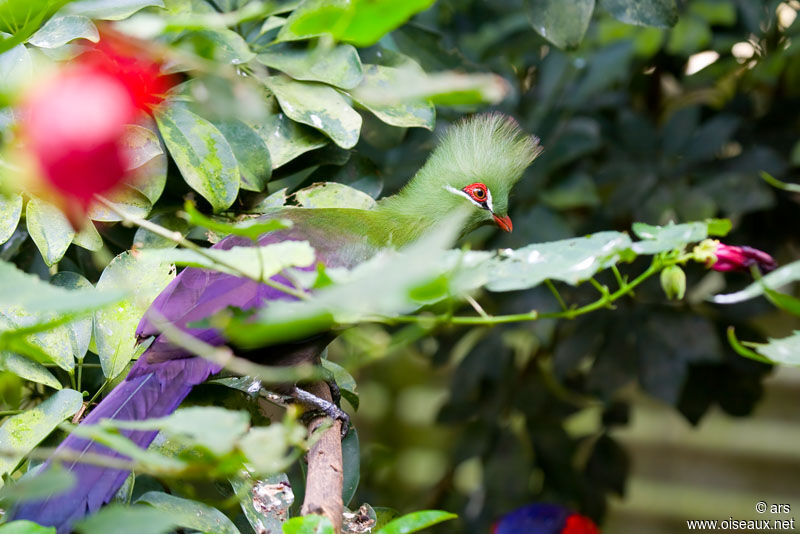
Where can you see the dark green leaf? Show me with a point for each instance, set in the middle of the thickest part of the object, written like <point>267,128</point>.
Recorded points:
<point>202,154</point>
<point>287,139</point>
<point>416,521</point>
<point>252,228</point>
<point>561,23</point>
<point>80,330</point>
<point>33,485</point>
<point>128,520</point>
<point>659,13</point>
<point>61,29</point>
<point>266,504</point>
<point>20,433</point>
<point>319,106</point>
<point>10,212</point>
<point>251,152</point>
<point>381,79</point>
<point>190,514</point>
<point>339,66</point>
<point>147,239</point>
<point>351,464</point>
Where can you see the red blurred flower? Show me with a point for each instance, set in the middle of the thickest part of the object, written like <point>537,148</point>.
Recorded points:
<point>721,257</point>
<point>74,121</point>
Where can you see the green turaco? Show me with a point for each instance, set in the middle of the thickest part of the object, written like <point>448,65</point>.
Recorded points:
<point>474,167</point>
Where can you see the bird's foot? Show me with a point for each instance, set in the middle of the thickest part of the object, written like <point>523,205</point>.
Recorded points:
<point>318,406</point>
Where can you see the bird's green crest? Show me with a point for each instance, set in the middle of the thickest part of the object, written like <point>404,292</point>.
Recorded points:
<point>489,149</point>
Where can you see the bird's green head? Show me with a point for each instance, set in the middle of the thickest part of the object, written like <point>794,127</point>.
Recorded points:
<point>475,166</point>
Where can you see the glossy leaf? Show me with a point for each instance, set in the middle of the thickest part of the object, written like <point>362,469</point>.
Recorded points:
<point>249,228</point>
<point>88,237</point>
<point>115,326</point>
<point>147,160</point>
<point>287,139</point>
<point>35,485</point>
<point>351,465</point>
<point>28,369</point>
<point>16,68</point>
<point>658,13</point>
<point>202,154</point>
<point>251,153</point>
<point>10,212</point>
<point>110,9</point>
<point>785,350</point>
<point>227,46</point>
<point>266,504</point>
<point>675,236</point>
<point>126,199</point>
<point>61,29</point>
<point>49,229</point>
<point>128,520</point>
<point>381,79</point>
<point>190,514</point>
<point>22,432</point>
<point>147,239</point>
<point>22,526</point>
<point>561,23</point>
<point>319,106</point>
<point>416,521</point>
<point>308,524</point>
<point>344,380</point>
<point>775,280</point>
<point>273,258</point>
<point>333,195</point>
<point>141,145</point>
<point>80,329</point>
<point>361,22</point>
<point>339,66</point>
<point>50,345</point>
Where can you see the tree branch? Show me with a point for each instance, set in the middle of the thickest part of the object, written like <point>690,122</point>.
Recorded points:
<point>325,470</point>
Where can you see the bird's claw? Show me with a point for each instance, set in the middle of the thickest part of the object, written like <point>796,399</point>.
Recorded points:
<point>319,406</point>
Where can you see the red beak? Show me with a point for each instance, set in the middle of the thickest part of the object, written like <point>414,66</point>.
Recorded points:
<point>503,222</point>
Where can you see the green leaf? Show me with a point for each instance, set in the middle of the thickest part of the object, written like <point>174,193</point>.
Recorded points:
<point>378,80</point>
<point>126,199</point>
<point>79,330</point>
<point>266,503</point>
<point>115,326</point>
<point>339,66</point>
<point>16,69</point>
<point>147,239</point>
<point>190,514</point>
<point>61,29</point>
<point>27,369</point>
<point>24,290</point>
<point>775,280</point>
<point>308,524</point>
<point>37,485</point>
<point>741,350</point>
<point>147,160</point>
<point>227,46</point>
<point>287,139</point>
<point>23,526</point>
<point>88,237</point>
<point>216,429</point>
<point>783,301</point>
<point>785,350</point>
<point>10,212</point>
<point>408,85</point>
<point>252,229</point>
<point>416,521</point>
<point>561,23</point>
<point>658,13</point>
<point>110,9</point>
<point>344,380</point>
<point>333,195</point>
<point>674,236</point>
<point>259,263</point>
<point>319,106</point>
<point>361,22</point>
<point>128,520</point>
<point>774,182</point>
<point>49,229</point>
<point>251,152</point>
<point>569,260</point>
<point>20,433</point>
<point>269,448</point>
<point>202,154</point>
<point>351,464</point>
<point>51,345</point>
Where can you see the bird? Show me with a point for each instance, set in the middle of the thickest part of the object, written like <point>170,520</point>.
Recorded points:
<point>473,167</point>
<point>544,518</point>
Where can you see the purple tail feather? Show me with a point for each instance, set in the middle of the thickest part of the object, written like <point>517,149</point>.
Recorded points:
<point>150,390</point>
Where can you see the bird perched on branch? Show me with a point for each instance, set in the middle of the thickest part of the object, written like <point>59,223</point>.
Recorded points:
<point>474,167</point>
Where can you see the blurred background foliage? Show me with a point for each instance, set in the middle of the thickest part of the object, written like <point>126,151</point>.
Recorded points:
<point>667,114</point>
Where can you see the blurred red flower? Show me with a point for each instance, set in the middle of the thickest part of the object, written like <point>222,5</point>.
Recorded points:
<point>75,120</point>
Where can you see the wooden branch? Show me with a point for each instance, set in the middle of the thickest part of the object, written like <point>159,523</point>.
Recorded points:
<point>325,471</point>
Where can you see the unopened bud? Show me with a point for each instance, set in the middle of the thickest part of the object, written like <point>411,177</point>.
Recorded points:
<point>673,282</point>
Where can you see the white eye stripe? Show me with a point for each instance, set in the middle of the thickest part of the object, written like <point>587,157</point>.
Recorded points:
<point>468,197</point>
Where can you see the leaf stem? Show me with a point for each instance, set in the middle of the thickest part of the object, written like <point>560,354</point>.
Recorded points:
<point>178,238</point>
<point>556,294</point>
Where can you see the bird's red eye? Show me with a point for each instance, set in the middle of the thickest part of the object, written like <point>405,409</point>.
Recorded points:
<point>477,191</point>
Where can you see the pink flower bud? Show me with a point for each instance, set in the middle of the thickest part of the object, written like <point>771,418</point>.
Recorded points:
<point>732,258</point>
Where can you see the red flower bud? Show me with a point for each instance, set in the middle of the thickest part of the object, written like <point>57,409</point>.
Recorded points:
<point>731,258</point>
